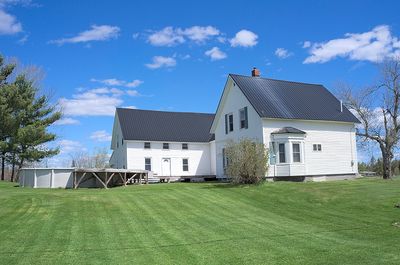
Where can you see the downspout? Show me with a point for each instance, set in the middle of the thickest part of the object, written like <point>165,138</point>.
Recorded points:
<point>351,152</point>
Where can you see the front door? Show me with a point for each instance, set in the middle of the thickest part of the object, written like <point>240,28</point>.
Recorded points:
<point>166,166</point>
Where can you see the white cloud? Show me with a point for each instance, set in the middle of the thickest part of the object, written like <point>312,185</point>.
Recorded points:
<point>282,53</point>
<point>161,61</point>
<point>133,93</point>
<point>116,91</point>
<point>116,82</point>
<point>69,146</point>
<point>96,33</point>
<point>135,35</point>
<point>215,54</point>
<point>66,121</point>
<point>306,44</point>
<point>221,39</point>
<point>244,38</point>
<point>101,136</point>
<point>9,24</point>
<point>134,83</point>
<point>130,107</point>
<point>373,46</point>
<point>200,34</point>
<point>95,102</point>
<point>23,40</point>
<point>170,36</point>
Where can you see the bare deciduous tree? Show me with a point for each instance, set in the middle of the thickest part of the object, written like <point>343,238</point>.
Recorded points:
<point>246,161</point>
<point>99,159</point>
<point>377,107</point>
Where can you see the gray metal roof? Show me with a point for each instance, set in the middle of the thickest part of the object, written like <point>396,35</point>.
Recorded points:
<point>291,100</point>
<point>288,130</point>
<point>149,125</point>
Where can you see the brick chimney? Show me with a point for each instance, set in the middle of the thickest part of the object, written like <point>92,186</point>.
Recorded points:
<point>255,72</point>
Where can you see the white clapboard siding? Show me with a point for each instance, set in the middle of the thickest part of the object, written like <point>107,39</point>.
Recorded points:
<point>338,155</point>
<point>198,155</point>
<point>232,101</point>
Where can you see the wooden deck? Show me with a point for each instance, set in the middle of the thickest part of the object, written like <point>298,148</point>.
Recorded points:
<point>109,177</point>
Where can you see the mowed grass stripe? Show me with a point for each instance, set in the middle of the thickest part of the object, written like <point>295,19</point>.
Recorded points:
<point>346,222</point>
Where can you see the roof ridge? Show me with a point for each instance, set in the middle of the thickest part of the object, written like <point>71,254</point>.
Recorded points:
<point>161,111</point>
<point>279,80</point>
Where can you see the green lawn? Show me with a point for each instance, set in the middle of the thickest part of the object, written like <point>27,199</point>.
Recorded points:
<point>343,222</point>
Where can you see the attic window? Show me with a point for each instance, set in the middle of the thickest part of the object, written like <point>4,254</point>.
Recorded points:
<point>147,145</point>
<point>165,146</point>
<point>185,146</point>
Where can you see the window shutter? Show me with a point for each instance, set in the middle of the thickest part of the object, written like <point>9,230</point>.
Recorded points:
<point>246,119</point>
<point>226,124</point>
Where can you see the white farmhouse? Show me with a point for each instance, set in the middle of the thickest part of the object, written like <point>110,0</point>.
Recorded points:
<point>309,133</point>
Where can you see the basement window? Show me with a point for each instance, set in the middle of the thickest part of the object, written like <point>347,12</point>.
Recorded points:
<point>147,163</point>
<point>165,146</point>
<point>147,145</point>
<point>185,164</point>
<point>185,146</point>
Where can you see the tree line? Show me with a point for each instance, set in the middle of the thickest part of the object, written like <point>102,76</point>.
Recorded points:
<point>25,116</point>
<point>376,165</point>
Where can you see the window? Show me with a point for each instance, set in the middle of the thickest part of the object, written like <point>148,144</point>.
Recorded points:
<point>185,164</point>
<point>228,123</point>
<point>147,164</point>
<point>147,145</point>
<point>243,118</point>
<point>122,141</point>
<point>296,153</point>
<point>185,147</point>
<point>230,116</point>
<point>282,154</point>
<point>165,146</point>
<point>317,147</point>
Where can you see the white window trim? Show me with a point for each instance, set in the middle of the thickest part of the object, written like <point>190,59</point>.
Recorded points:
<point>164,149</point>
<point>233,123</point>
<point>144,148</point>
<point>289,152</point>
<point>300,151</point>
<point>279,156</point>
<point>187,164</point>
<point>151,163</point>
<point>317,147</point>
<point>240,121</point>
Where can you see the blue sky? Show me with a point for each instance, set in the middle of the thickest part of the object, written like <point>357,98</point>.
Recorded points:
<point>175,55</point>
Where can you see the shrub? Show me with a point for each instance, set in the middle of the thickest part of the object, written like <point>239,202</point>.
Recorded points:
<point>247,161</point>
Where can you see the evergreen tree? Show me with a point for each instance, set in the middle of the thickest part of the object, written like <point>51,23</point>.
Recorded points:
<point>32,116</point>
<point>25,116</point>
